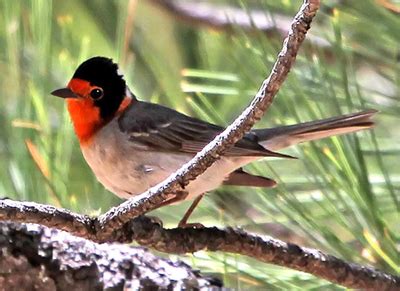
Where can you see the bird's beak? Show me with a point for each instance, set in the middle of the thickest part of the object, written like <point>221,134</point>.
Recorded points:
<point>64,93</point>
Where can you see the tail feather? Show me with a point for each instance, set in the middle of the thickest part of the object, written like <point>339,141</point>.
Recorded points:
<point>281,137</point>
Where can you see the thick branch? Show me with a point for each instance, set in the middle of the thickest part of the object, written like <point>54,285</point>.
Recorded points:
<point>117,217</point>
<point>30,212</point>
<point>262,248</point>
<point>148,233</point>
<point>34,257</point>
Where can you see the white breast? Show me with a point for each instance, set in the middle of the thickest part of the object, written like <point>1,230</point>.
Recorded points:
<point>127,169</point>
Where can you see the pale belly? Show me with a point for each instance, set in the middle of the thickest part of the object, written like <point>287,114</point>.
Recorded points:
<point>128,170</point>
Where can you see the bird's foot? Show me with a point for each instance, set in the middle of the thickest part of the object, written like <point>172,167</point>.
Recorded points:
<point>155,219</point>
<point>184,224</point>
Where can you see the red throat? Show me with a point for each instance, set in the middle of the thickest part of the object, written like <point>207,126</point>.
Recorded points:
<point>85,115</point>
<point>85,118</point>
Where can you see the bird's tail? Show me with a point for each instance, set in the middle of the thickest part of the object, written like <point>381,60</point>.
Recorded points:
<point>281,137</point>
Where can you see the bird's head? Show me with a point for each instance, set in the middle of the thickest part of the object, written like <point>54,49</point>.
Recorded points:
<point>95,95</point>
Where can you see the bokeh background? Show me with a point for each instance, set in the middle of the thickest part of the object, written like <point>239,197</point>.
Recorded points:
<point>341,195</point>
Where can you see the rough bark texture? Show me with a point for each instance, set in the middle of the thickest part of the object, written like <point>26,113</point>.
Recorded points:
<point>150,233</point>
<point>34,257</point>
<point>262,248</point>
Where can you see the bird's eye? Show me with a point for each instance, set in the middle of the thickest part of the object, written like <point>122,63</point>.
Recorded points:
<point>96,93</point>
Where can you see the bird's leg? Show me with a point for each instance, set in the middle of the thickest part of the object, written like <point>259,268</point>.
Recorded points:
<point>179,196</point>
<point>183,223</point>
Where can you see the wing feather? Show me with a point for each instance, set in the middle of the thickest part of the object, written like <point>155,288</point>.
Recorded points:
<point>165,129</point>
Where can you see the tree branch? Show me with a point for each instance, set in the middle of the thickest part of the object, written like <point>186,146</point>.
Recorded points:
<point>266,249</point>
<point>33,257</point>
<point>50,216</point>
<point>262,248</point>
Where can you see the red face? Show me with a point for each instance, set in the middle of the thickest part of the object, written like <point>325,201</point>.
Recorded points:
<point>84,114</point>
<point>95,95</point>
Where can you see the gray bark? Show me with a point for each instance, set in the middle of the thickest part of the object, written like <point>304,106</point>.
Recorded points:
<point>34,257</point>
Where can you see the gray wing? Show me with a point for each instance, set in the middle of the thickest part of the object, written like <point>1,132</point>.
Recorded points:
<point>165,129</point>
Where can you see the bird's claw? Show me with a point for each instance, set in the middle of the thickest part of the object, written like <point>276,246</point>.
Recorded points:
<point>197,225</point>
<point>155,220</point>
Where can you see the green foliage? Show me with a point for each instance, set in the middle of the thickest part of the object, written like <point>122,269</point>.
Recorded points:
<point>341,196</point>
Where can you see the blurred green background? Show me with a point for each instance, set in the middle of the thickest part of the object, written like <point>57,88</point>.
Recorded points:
<point>341,196</point>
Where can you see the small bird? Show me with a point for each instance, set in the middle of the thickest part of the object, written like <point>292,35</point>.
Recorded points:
<point>133,145</point>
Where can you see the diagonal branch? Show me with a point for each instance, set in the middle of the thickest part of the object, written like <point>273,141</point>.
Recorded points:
<point>186,240</point>
<point>117,217</point>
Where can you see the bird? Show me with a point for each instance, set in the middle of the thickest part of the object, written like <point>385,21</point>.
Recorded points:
<point>132,145</point>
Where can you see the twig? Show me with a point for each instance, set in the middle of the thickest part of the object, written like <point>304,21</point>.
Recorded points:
<point>180,240</point>
<point>117,217</point>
